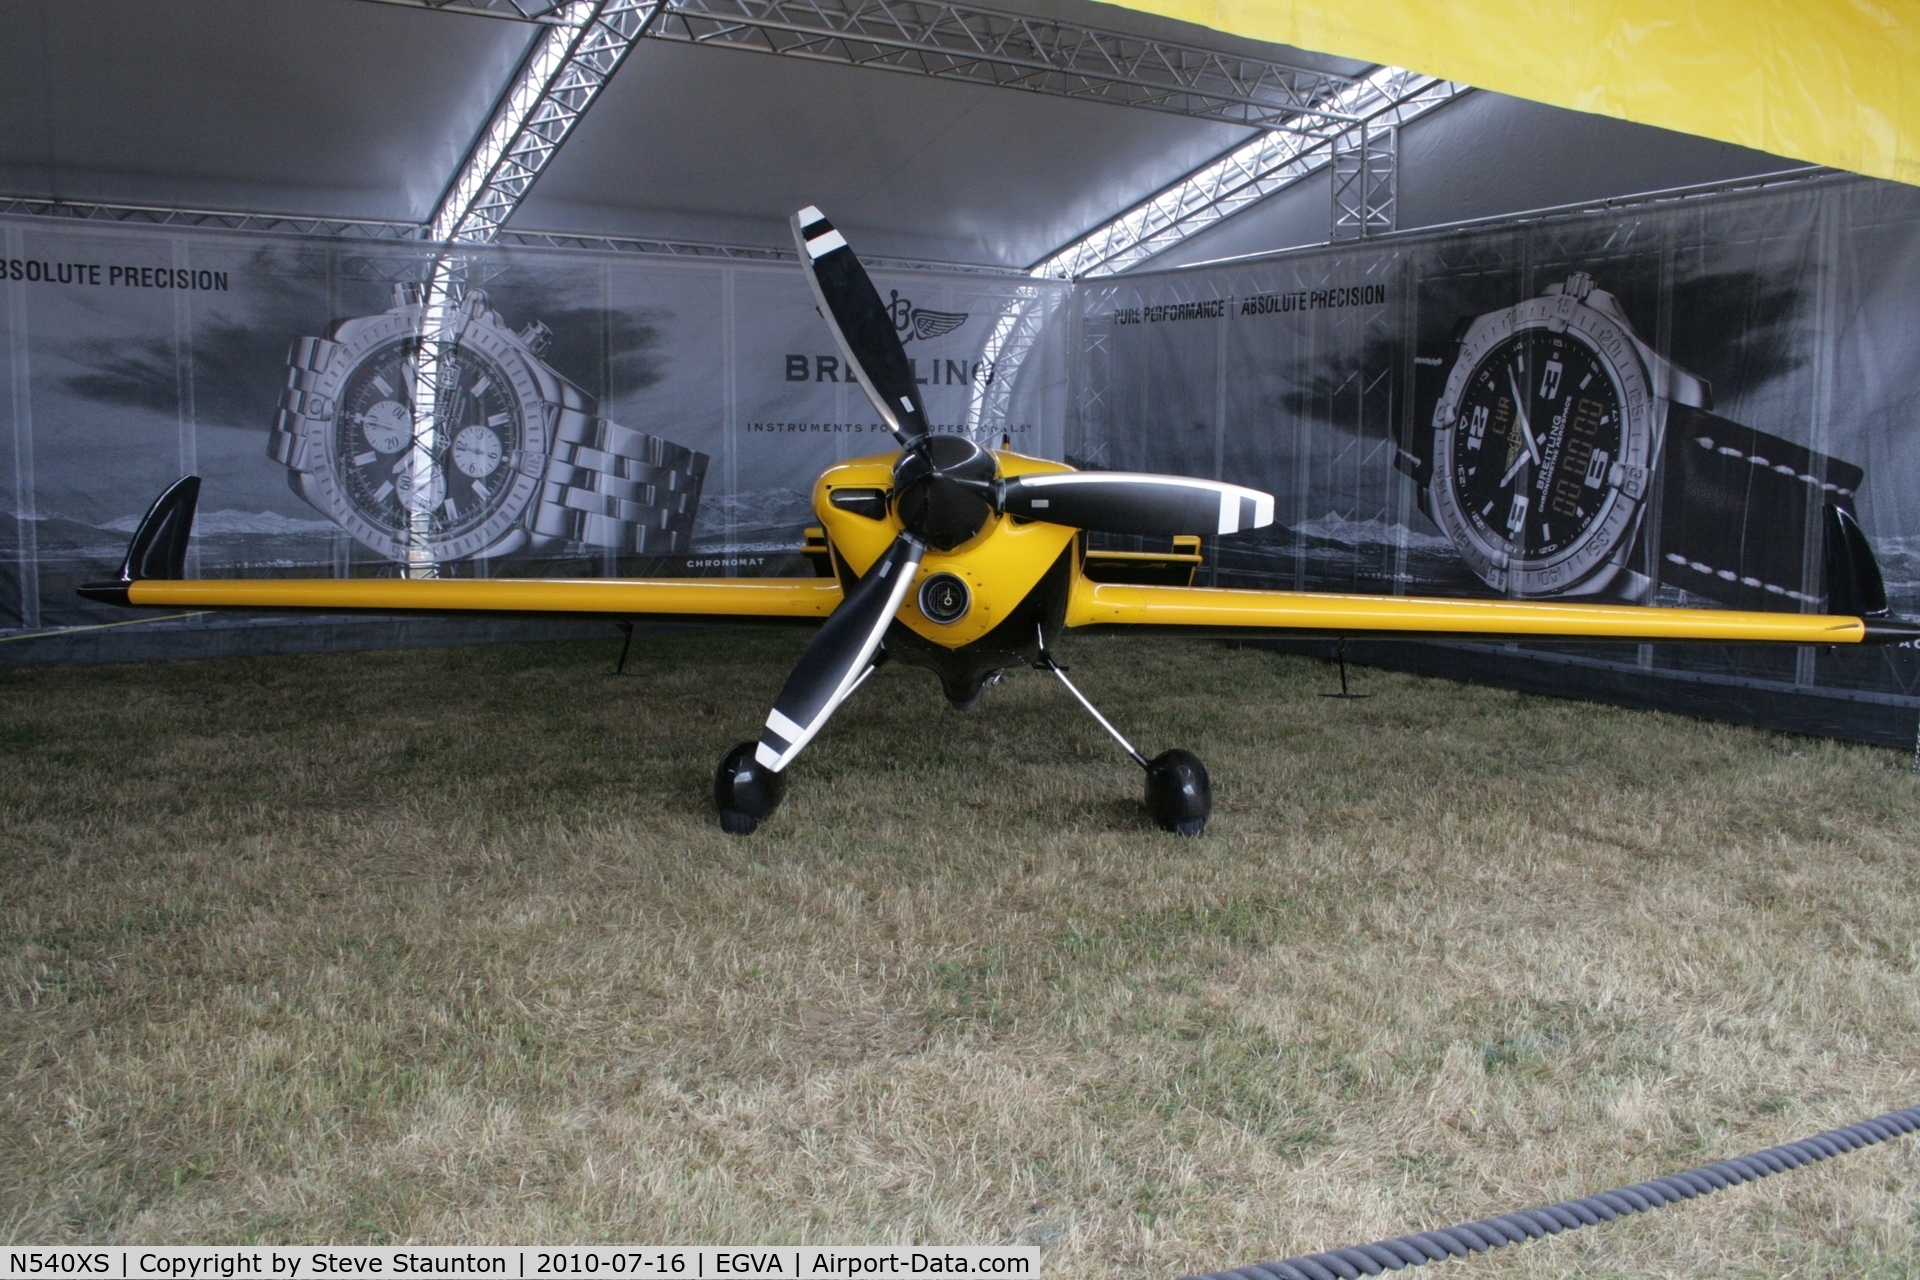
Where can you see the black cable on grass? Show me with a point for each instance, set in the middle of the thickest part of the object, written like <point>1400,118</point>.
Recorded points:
<point>1571,1215</point>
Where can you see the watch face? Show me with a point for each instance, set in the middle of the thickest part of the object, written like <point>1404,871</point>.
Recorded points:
<point>461,480</point>
<point>399,471</point>
<point>1540,427</point>
<point>1542,444</point>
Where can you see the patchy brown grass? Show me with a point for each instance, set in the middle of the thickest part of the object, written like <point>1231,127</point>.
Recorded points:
<point>446,946</point>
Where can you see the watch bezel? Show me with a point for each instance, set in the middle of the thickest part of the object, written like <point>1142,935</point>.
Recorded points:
<point>1592,559</point>
<point>357,341</point>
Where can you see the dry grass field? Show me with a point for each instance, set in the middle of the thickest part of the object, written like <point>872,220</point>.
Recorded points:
<point>446,946</point>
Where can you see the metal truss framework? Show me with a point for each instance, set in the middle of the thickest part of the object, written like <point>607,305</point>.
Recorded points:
<point>570,63</point>
<point>1384,99</point>
<point>404,233</point>
<point>1381,101</point>
<point>1365,181</point>
<point>641,244</point>
<point>953,41</point>
<point>1305,116</point>
<point>517,10</point>
<point>730,252</point>
<point>1013,336</point>
<point>270,223</point>
<point>584,42</point>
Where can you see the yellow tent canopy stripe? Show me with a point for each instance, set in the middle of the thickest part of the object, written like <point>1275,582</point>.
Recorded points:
<point>1824,81</point>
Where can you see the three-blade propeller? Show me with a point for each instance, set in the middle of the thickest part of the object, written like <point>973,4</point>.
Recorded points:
<point>955,489</point>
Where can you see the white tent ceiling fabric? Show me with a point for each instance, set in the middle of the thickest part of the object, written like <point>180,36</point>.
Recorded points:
<point>349,109</point>
<point>295,106</point>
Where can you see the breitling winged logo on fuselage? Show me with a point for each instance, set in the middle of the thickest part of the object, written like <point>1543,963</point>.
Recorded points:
<point>918,322</point>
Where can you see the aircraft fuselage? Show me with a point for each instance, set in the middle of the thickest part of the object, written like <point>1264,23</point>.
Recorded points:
<point>974,609</point>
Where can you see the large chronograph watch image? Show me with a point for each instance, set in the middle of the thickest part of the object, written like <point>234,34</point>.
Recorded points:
<point>1564,456</point>
<point>486,451</point>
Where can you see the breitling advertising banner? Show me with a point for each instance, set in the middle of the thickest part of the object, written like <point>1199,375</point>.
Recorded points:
<point>596,414</point>
<point>1650,404</point>
<point>1647,405</point>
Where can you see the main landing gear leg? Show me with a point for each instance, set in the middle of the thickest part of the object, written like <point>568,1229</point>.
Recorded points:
<point>1179,795</point>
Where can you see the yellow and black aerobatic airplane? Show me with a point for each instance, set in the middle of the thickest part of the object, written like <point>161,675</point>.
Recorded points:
<point>967,561</point>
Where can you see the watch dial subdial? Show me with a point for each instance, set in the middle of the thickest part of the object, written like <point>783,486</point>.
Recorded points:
<point>387,426</point>
<point>1537,442</point>
<point>452,473</point>
<point>419,483</point>
<point>476,452</point>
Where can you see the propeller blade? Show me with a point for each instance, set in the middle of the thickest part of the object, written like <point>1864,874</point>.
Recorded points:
<point>862,326</point>
<point>1129,502</point>
<point>840,656</point>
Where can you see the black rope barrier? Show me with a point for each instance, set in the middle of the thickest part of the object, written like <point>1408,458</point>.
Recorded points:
<point>1570,1215</point>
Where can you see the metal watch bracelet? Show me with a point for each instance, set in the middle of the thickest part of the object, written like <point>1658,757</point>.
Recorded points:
<point>603,485</point>
<point>288,445</point>
<point>613,487</point>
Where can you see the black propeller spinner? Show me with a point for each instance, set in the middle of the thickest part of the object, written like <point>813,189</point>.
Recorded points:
<point>945,490</point>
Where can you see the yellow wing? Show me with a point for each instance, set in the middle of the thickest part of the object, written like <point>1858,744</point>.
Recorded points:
<point>1300,613</point>
<point>151,577</point>
<point>742,599</point>
<point>1856,591</point>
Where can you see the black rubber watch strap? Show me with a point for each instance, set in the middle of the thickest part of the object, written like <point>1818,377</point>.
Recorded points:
<point>1735,508</point>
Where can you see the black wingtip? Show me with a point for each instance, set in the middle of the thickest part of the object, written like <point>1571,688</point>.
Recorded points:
<point>105,592</point>
<point>1891,631</point>
<point>159,546</point>
<point>1854,585</point>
